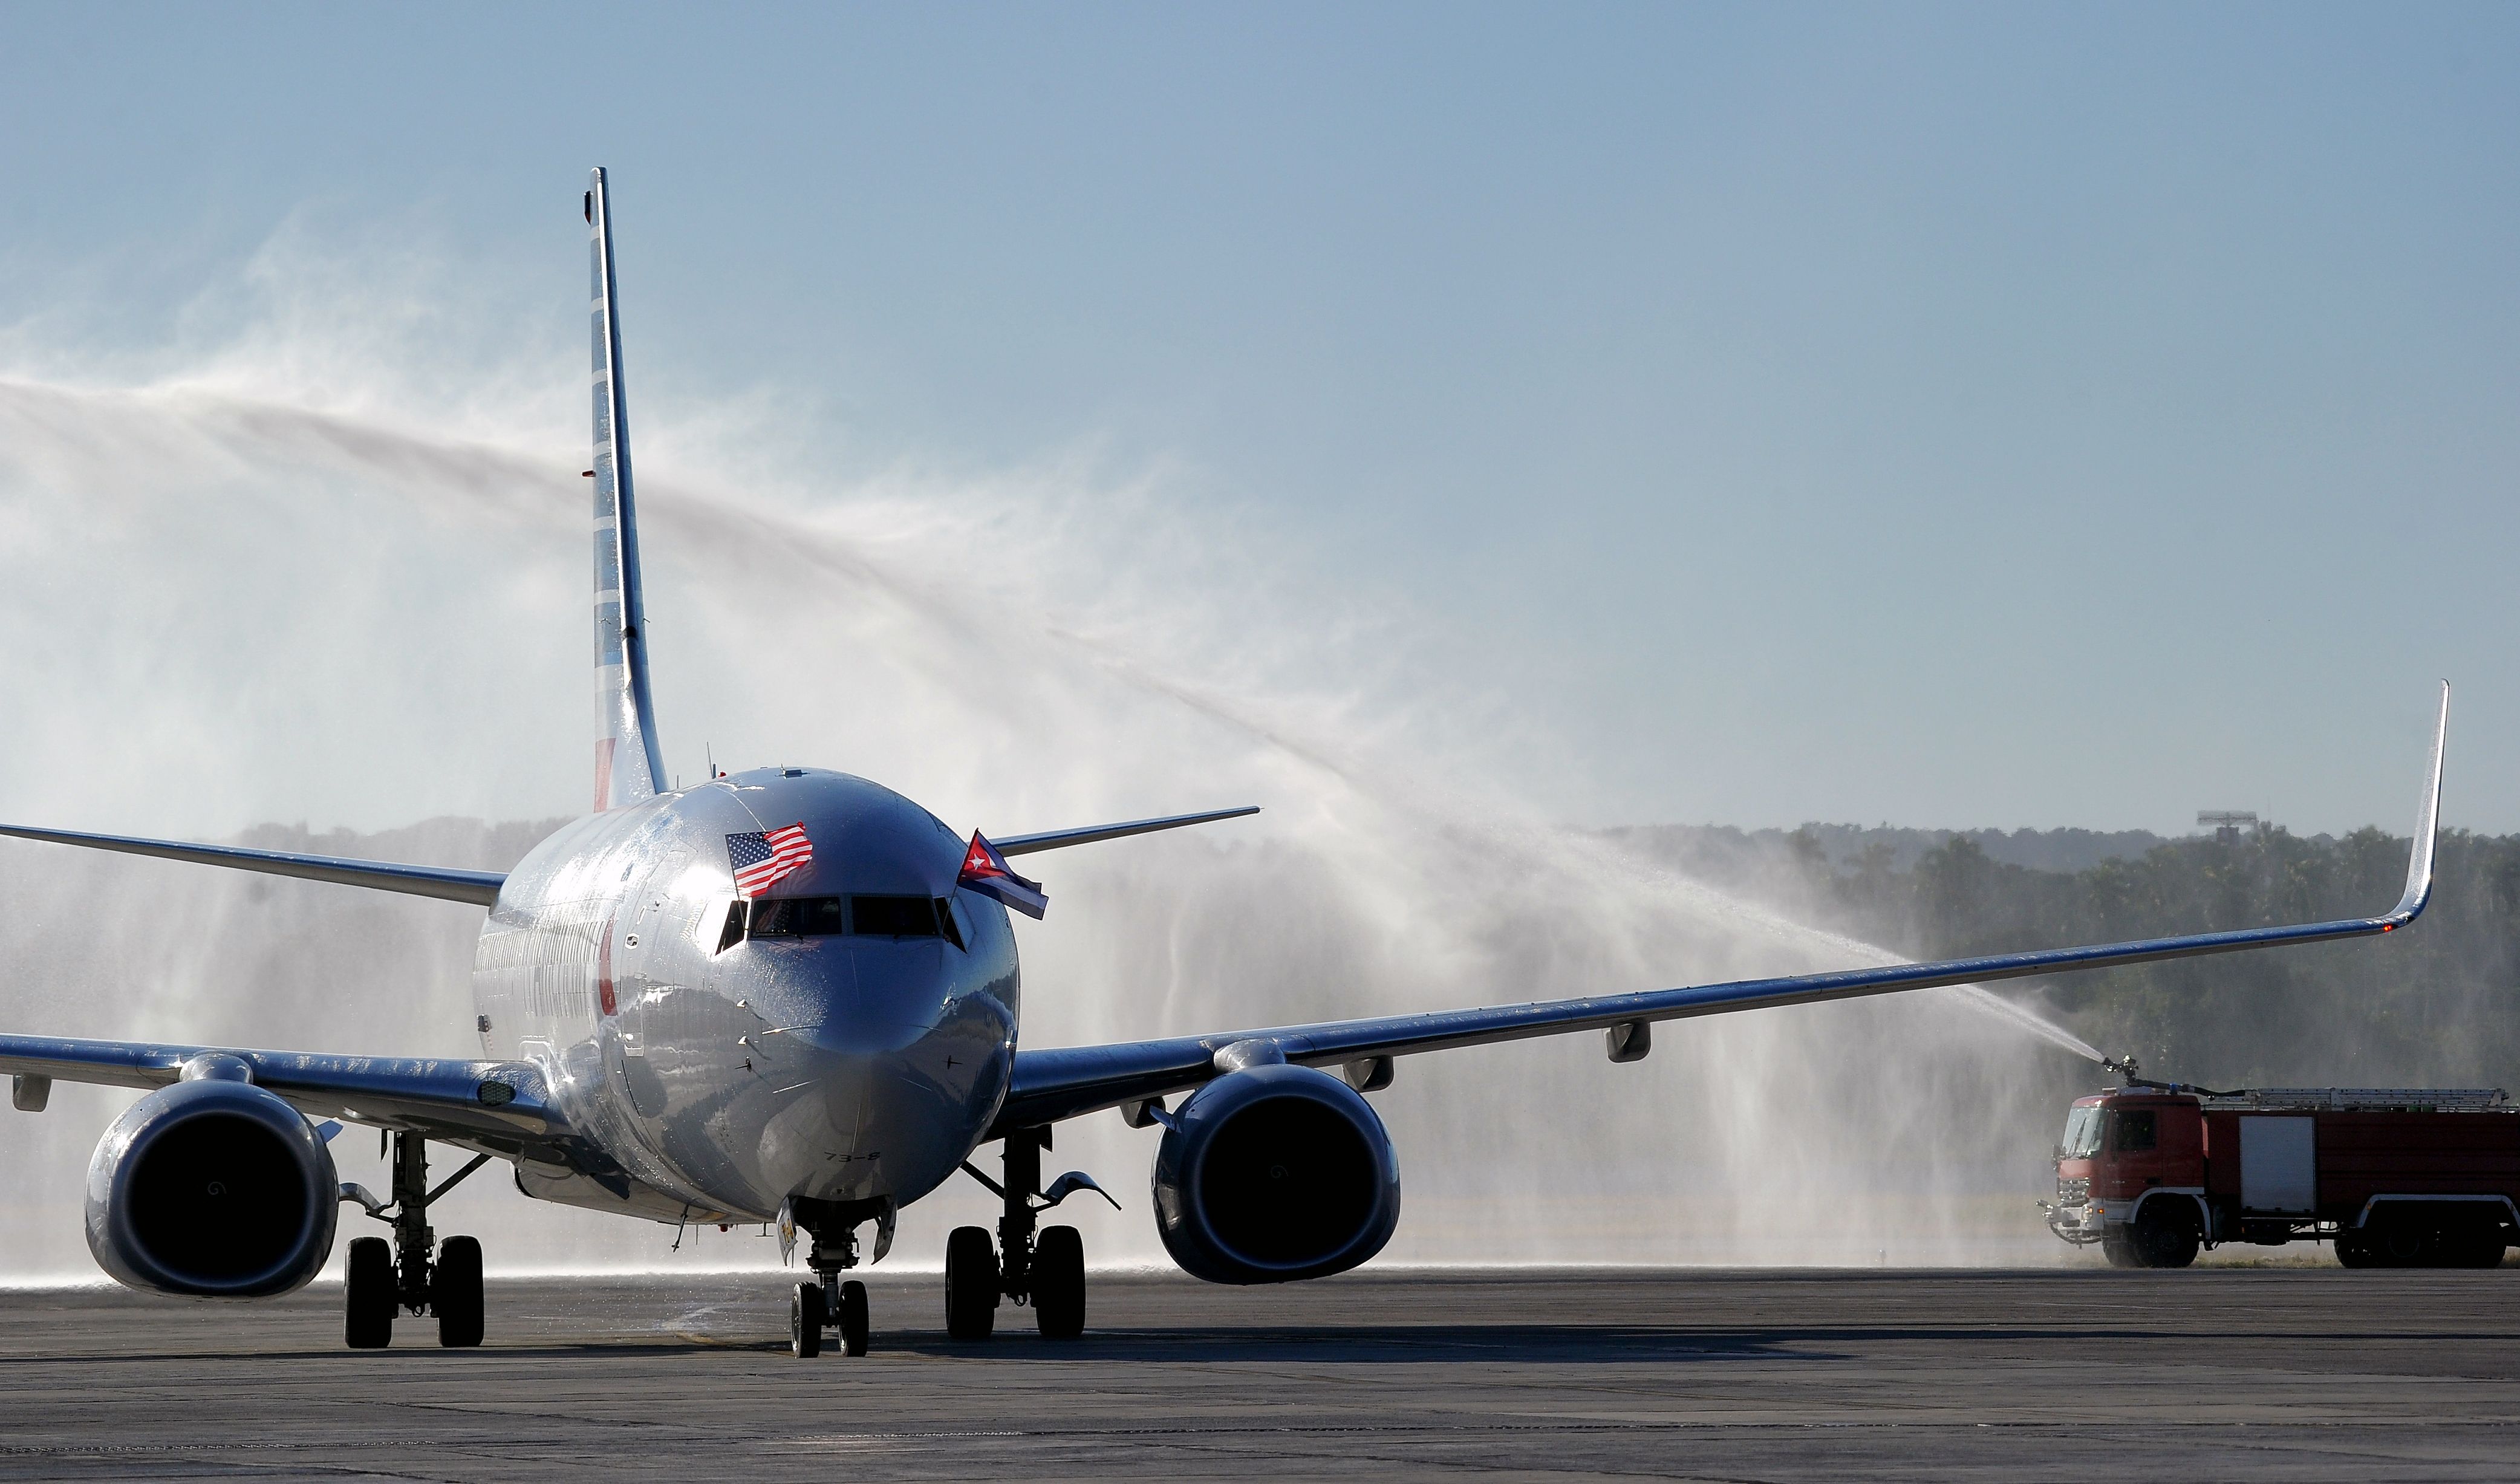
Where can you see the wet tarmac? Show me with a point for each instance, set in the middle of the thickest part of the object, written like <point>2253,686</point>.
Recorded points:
<point>2298,1373</point>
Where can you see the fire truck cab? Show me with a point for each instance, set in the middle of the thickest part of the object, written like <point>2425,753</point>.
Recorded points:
<point>2396,1177</point>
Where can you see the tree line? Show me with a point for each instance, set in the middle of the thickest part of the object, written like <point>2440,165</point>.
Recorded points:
<point>2435,1005</point>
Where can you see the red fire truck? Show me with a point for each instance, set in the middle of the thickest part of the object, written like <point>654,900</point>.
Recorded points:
<point>2395,1177</point>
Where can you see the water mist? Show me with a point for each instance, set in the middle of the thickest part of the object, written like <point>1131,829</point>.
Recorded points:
<point>233,590</point>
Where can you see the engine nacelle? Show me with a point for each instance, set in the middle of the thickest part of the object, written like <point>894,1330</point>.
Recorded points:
<point>211,1189</point>
<point>1275,1172</point>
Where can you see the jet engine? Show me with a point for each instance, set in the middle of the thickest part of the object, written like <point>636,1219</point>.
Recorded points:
<point>1275,1172</point>
<point>211,1187</point>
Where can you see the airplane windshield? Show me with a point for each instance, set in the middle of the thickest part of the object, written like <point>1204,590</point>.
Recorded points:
<point>870,916</point>
<point>894,916</point>
<point>2082,1134</point>
<point>797,918</point>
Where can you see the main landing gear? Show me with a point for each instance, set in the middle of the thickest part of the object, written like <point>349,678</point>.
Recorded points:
<point>1042,1265</point>
<point>384,1279</point>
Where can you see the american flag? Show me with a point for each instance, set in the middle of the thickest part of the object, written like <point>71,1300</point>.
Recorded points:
<point>763,858</point>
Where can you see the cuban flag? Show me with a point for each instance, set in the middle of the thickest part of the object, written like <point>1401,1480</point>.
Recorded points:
<point>762,858</point>
<point>987,873</point>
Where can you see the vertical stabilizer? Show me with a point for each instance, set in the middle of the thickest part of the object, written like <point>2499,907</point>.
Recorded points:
<point>627,766</point>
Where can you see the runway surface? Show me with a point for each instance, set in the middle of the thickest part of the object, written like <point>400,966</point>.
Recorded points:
<point>2298,1373</point>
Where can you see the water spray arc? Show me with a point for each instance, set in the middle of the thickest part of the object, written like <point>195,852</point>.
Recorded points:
<point>1394,910</point>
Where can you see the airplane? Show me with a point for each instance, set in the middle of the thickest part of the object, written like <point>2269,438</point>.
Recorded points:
<point>791,995</point>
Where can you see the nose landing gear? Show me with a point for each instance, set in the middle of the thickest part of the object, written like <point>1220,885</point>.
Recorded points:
<point>828,1302</point>
<point>383,1279</point>
<point>1029,1263</point>
<point>806,1322</point>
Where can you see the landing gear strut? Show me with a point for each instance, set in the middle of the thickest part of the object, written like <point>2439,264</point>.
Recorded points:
<point>384,1279</point>
<point>1028,1263</point>
<point>827,1302</point>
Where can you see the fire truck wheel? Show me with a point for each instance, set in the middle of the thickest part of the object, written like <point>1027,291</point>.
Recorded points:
<point>2403,1245</point>
<point>2119,1250</point>
<point>2163,1240</point>
<point>2354,1250</point>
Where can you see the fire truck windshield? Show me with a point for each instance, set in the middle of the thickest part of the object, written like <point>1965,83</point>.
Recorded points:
<point>2082,1134</point>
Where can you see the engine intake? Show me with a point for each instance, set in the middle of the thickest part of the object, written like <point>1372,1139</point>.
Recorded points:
<point>1275,1172</point>
<point>212,1189</point>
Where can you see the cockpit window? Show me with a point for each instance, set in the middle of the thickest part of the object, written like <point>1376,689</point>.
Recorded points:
<point>871,916</point>
<point>894,916</point>
<point>797,918</point>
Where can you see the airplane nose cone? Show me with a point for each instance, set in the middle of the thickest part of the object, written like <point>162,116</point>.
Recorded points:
<point>888,1093</point>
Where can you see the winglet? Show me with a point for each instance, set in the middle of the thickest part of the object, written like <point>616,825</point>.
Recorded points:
<point>2419,856</point>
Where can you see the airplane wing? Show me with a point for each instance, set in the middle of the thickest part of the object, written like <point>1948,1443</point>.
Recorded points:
<point>1064,1082</point>
<point>1054,840</point>
<point>477,886</point>
<point>496,1107</point>
<point>481,887</point>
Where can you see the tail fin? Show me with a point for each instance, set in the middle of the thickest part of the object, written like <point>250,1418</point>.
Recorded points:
<point>628,765</point>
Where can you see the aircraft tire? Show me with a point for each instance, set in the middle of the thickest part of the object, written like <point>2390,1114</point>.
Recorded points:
<point>970,1284</point>
<point>454,1292</point>
<point>852,1318</point>
<point>1059,1283</point>
<point>805,1320</point>
<point>368,1295</point>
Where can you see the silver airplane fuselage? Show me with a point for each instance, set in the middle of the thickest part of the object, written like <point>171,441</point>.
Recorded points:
<point>728,1070</point>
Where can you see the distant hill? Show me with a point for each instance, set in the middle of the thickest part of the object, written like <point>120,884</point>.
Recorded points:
<point>2438,1005</point>
<point>2066,850</point>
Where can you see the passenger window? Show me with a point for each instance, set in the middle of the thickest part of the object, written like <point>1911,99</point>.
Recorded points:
<point>733,932</point>
<point>894,916</point>
<point>2132,1132</point>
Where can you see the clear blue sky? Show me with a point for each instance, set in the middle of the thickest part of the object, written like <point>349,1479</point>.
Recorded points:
<point>1954,416</point>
